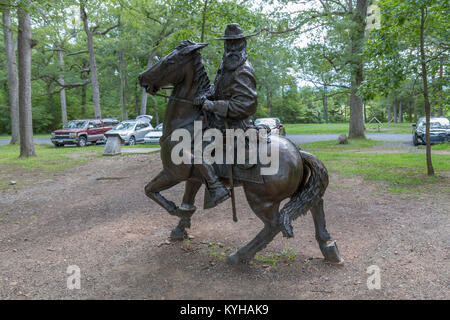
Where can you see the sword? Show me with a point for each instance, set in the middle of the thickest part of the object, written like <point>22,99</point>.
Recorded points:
<point>230,172</point>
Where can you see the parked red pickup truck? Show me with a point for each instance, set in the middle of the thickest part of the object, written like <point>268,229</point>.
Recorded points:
<point>81,132</point>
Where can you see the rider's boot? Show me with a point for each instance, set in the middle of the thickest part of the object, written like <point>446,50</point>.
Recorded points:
<point>217,192</point>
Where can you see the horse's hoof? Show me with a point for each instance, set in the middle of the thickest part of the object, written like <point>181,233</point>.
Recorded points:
<point>178,234</point>
<point>233,259</point>
<point>330,252</point>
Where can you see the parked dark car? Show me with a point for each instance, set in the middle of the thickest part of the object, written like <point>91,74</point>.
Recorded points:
<point>439,130</point>
<point>273,123</point>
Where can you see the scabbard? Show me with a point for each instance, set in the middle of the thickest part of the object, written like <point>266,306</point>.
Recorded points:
<point>230,173</point>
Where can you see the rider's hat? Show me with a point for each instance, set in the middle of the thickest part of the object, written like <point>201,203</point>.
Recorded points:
<point>233,31</point>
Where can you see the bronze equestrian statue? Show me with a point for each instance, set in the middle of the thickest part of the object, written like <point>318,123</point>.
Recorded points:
<point>231,102</point>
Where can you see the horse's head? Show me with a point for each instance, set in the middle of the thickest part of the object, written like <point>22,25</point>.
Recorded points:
<point>171,69</point>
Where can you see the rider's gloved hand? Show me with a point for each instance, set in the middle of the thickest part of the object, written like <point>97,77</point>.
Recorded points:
<point>208,105</point>
<point>198,101</point>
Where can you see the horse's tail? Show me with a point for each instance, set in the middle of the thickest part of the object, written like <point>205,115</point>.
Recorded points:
<point>311,189</point>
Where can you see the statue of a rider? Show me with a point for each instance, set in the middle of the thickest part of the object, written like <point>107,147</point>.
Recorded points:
<point>232,98</point>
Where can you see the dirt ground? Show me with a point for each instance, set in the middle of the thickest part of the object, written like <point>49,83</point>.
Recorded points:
<point>119,240</point>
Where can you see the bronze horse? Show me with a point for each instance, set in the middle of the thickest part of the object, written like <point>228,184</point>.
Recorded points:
<point>302,177</point>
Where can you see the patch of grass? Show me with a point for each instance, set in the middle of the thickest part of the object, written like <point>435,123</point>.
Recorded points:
<point>286,256</point>
<point>269,259</point>
<point>440,146</point>
<point>216,250</point>
<point>323,128</point>
<point>402,172</point>
<point>353,144</point>
<point>48,159</point>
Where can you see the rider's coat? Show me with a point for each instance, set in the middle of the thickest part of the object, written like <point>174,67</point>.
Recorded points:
<point>234,96</point>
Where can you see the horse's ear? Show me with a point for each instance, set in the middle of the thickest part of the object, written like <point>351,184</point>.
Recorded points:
<point>192,48</point>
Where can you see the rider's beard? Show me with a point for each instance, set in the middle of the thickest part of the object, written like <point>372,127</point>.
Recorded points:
<point>234,59</point>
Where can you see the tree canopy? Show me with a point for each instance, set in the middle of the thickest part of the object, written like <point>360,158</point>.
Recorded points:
<point>314,61</point>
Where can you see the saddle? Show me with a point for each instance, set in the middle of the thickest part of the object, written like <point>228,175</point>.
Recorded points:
<point>242,172</point>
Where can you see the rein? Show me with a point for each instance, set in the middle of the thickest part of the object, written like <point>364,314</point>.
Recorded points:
<point>174,98</point>
<point>186,101</point>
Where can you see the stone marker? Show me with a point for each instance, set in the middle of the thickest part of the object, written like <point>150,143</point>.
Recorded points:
<point>343,139</point>
<point>113,144</point>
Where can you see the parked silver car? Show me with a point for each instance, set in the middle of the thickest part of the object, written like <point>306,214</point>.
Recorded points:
<point>153,136</point>
<point>132,131</point>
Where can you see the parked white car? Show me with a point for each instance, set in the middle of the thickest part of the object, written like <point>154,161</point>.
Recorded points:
<point>144,118</point>
<point>273,123</point>
<point>153,136</point>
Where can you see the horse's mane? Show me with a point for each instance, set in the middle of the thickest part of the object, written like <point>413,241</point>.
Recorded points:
<point>200,76</point>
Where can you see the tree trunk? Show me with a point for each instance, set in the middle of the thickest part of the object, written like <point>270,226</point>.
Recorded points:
<point>50,105</point>
<point>11,67</point>
<point>123,80</point>
<point>365,114</point>
<point>136,96</point>
<point>430,169</point>
<point>389,114</point>
<point>92,63</point>
<point>410,112</point>
<point>356,127</point>
<point>415,113</point>
<point>63,90</point>
<point>25,116</point>
<point>155,110</point>
<point>269,103</point>
<point>83,101</point>
<point>143,109</point>
<point>395,111</point>
<point>205,10</point>
<point>441,74</point>
<point>400,113</point>
<point>325,104</point>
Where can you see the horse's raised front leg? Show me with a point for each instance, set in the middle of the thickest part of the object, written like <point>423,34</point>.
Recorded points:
<point>327,246</point>
<point>186,210</point>
<point>164,180</point>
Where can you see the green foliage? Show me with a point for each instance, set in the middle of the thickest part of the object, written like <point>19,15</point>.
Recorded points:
<point>317,51</point>
<point>392,52</point>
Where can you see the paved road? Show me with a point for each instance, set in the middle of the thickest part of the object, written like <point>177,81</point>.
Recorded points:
<point>36,141</point>
<point>297,138</point>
